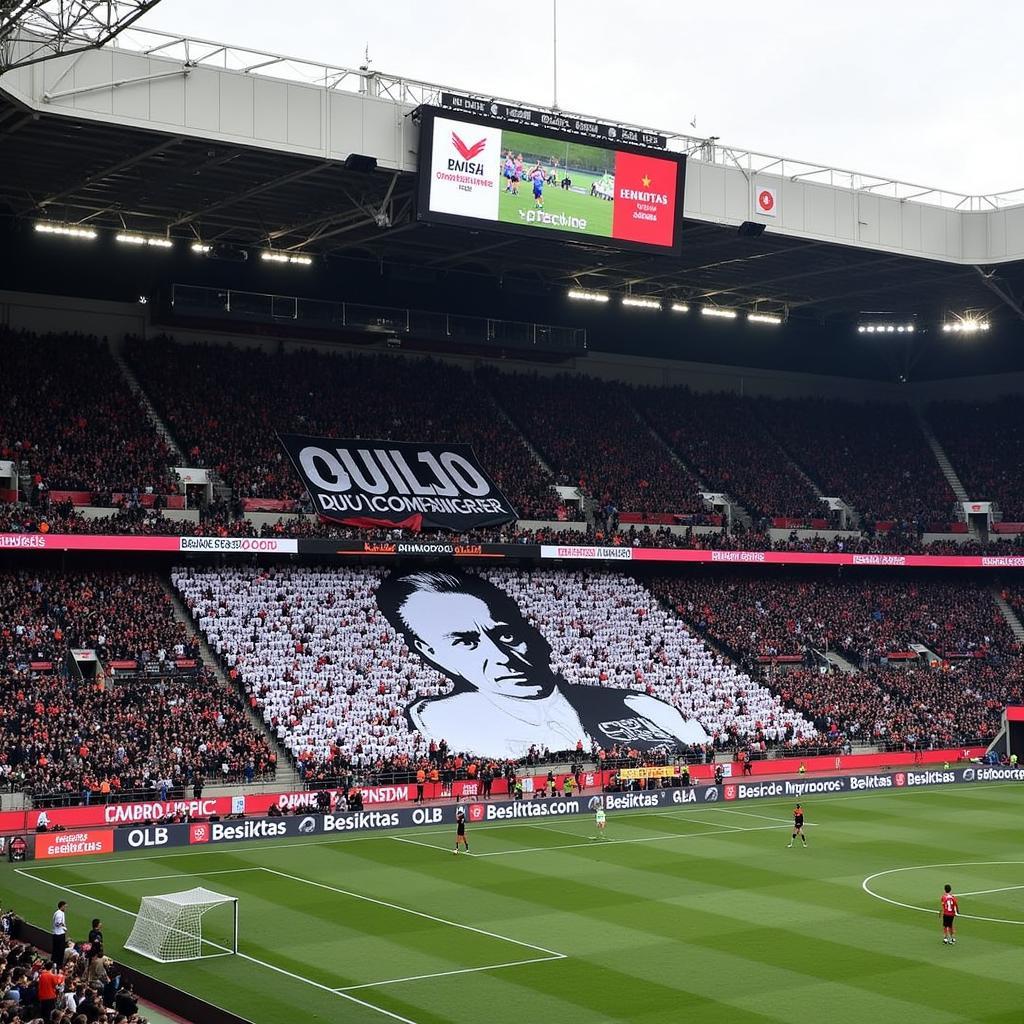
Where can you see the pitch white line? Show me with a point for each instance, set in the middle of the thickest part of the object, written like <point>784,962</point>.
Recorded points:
<point>750,814</point>
<point>560,831</point>
<point>415,913</point>
<point>177,874</point>
<point>325,988</point>
<point>445,974</point>
<point>683,816</point>
<point>429,846</point>
<point>732,830</point>
<point>985,892</point>
<point>934,910</point>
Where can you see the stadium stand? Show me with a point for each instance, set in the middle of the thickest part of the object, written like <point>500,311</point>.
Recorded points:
<point>64,736</point>
<point>772,622</point>
<point>866,620</point>
<point>62,434</point>
<point>985,443</point>
<point>332,678</point>
<point>591,435</point>
<point>329,395</point>
<point>873,455</point>
<point>720,438</point>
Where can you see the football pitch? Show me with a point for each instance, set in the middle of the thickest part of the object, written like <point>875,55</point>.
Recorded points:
<point>701,915</point>
<point>597,212</point>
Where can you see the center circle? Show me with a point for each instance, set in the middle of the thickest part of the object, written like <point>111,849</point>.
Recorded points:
<point>866,886</point>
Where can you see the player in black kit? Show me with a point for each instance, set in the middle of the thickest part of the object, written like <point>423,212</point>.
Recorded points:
<point>460,832</point>
<point>798,826</point>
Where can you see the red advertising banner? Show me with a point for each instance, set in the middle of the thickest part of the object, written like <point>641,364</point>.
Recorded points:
<point>645,199</point>
<point>74,844</point>
<point>826,558</point>
<point>86,542</point>
<point>111,814</point>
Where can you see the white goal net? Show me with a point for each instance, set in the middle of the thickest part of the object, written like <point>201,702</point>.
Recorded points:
<point>170,927</point>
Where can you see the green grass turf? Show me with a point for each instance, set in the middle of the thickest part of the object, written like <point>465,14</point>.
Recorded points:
<point>598,212</point>
<point>699,914</point>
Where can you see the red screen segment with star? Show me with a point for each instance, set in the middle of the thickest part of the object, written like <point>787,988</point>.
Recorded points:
<point>645,199</point>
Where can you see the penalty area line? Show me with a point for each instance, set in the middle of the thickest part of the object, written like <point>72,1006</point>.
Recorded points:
<point>415,913</point>
<point>177,874</point>
<point>446,974</point>
<point>429,846</point>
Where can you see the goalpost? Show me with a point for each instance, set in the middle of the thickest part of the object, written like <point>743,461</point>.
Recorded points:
<point>170,927</point>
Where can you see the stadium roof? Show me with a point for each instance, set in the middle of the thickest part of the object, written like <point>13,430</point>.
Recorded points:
<point>112,176</point>
<point>117,176</point>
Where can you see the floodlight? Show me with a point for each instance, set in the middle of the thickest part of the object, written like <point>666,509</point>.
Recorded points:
<point>272,256</point>
<point>48,227</point>
<point>129,238</point>
<point>584,295</point>
<point>639,302</point>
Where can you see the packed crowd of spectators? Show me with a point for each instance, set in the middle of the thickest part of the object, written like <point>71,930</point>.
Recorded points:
<point>73,737</point>
<point>590,434</point>
<point>956,699</point>
<point>720,438</point>
<point>873,455</point>
<point>68,742</point>
<point>864,619</point>
<point>332,678</point>
<point>71,419</point>
<point>81,986</point>
<point>120,615</point>
<point>330,395</point>
<point>916,707</point>
<point>985,443</point>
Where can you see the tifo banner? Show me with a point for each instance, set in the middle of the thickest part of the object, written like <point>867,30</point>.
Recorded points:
<point>397,484</point>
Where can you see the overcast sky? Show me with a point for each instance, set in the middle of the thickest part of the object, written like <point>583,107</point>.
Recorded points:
<point>929,93</point>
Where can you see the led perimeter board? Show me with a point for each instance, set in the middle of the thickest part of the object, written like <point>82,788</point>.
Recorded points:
<point>484,173</point>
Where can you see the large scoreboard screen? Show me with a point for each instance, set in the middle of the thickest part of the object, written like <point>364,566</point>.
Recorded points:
<point>481,172</point>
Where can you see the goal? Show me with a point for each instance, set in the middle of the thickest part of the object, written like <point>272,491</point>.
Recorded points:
<point>170,927</point>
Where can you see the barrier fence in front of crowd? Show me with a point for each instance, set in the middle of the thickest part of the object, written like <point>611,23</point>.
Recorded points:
<point>699,762</point>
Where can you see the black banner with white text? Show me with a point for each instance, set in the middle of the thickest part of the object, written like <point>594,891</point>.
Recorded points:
<point>408,485</point>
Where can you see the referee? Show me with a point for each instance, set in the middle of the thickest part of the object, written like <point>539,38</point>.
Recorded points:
<point>60,935</point>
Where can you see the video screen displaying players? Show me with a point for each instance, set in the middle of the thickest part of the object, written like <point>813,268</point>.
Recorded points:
<point>528,182</point>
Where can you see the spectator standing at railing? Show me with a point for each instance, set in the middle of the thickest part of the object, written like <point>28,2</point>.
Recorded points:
<point>59,932</point>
